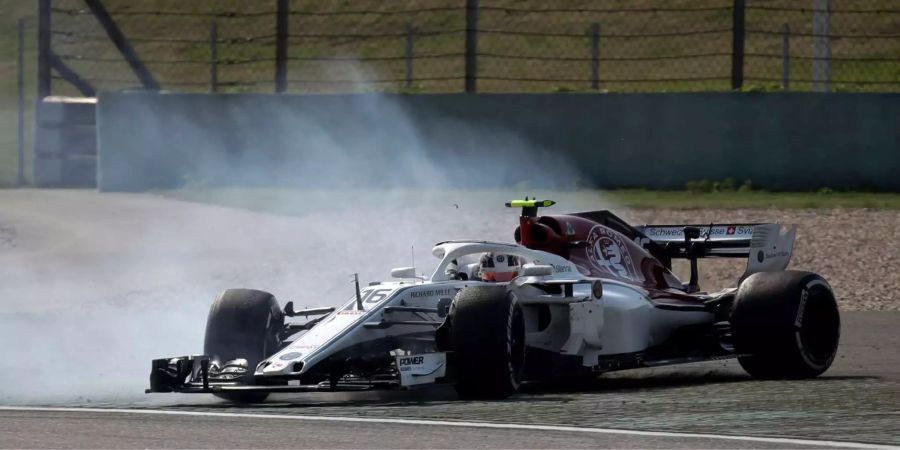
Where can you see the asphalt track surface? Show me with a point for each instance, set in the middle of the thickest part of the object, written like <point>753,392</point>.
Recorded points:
<point>709,405</point>
<point>87,428</point>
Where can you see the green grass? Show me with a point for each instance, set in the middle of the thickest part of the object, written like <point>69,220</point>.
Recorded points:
<point>297,202</point>
<point>10,12</point>
<point>251,37</point>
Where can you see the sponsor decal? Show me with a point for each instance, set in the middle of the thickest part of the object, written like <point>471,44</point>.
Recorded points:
<point>777,254</point>
<point>559,268</point>
<point>501,258</point>
<point>760,256</point>
<point>374,295</point>
<point>607,251</point>
<point>412,360</point>
<point>276,365</point>
<point>406,363</point>
<point>664,232</point>
<point>290,356</point>
<point>798,322</point>
<point>299,345</point>
<point>570,230</point>
<point>745,231</point>
<point>728,231</point>
<point>433,292</point>
<point>350,312</point>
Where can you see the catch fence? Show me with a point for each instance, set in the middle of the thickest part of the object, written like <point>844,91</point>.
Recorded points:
<point>468,45</point>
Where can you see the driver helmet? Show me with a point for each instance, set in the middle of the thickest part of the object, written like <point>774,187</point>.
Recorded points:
<point>499,267</point>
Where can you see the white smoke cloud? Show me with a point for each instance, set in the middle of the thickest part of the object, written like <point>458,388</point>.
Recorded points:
<point>94,286</point>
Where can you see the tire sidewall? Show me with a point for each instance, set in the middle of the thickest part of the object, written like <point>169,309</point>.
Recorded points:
<point>772,323</point>
<point>487,340</point>
<point>515,345</point>
<point>243,323</point>
<point>814,290</point>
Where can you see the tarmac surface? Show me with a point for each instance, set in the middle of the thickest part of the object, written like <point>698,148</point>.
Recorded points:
<point>94,286</point>
<point>109,429</point>
<point>856,401</point>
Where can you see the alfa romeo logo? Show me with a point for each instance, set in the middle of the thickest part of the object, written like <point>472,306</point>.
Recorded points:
<point>607,251</point>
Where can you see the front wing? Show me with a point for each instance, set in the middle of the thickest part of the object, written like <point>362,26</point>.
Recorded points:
<point>191,375</point>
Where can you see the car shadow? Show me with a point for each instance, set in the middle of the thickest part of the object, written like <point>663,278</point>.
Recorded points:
<point>653,382</point>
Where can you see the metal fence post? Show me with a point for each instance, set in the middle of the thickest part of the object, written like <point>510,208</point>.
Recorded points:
<point>786,58</point>
<point>471,46</point>
<point>595,56</point>
<point>44,36</point>
<point>821,51</point>
<point>20,126</point>
<point>737,44</point>
<point>118,39</point>
<point>409,55</point>
<point>281,45</point>
<point>213,57</point>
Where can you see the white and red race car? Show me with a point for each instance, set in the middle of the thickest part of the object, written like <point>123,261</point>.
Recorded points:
<point>594,294</point>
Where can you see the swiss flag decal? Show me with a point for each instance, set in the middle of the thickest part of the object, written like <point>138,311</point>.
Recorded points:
<point>730,230</point>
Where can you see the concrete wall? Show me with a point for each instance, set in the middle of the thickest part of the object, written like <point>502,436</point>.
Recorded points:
<point>65,142</point>
<point>779,141</point>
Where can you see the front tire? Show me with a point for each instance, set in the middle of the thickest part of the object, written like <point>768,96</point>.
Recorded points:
<point>243,323</point>
<point>787,323</point>
<point>488,342</point>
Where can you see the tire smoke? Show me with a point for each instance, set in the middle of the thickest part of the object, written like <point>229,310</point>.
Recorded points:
<point>95,285</point>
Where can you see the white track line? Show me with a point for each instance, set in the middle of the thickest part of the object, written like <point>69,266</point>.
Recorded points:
<point>507,426</point>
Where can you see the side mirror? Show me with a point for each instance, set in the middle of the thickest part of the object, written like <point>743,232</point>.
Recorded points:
<point>290,312</point>
<point>535,270</point>
<point>404,272</point>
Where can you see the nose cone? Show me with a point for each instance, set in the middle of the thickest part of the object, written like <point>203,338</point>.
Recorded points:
<point>316,344</point>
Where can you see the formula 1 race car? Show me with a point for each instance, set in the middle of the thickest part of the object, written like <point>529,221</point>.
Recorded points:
<point>591,294</point>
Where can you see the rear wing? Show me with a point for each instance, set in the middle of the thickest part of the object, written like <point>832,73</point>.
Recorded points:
<point>766,246</point>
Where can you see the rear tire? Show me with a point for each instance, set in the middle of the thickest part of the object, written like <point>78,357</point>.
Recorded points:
<point>488,342</point>
<point>243,323</point>
<point>788,323</point>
